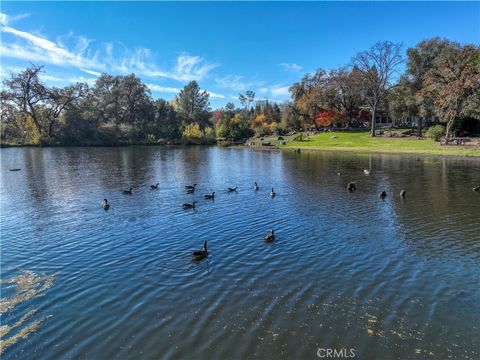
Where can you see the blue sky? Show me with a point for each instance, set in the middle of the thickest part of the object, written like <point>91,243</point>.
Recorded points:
<point>228,47</point>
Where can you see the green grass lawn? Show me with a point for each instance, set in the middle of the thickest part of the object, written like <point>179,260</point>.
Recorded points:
<point>362,142</point>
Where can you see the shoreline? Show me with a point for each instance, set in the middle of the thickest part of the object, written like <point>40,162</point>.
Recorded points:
<point>353,151</point>
<point>379,152</point>
<point>265,148</point>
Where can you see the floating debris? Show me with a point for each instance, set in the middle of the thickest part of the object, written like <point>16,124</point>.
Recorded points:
<point>5,329</point>
<point>22,334</point>
<point>424,352</point>
<point>27,285</point>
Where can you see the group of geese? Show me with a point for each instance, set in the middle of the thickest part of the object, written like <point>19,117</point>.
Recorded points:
<point>191,189</point>
<point>352,187</point>
<point>201,254</point>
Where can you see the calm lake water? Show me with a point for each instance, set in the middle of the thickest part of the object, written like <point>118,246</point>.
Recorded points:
<point>391,279</point>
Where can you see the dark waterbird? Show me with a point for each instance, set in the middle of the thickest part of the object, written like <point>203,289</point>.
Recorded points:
<point>127,192</point>
<point>105,204</point>
<point>190,187</point>
<point>383,195</point>
<point>189,206</point>
<point>200,254</point>
<point>190,191</point>
<point>272,193</point>
<point>270,236</point>
<point>339,173</point>
<point>351,186</point>
<point>255,186</point>
<point>403,193</point>
<point>210,196</point>
<point>154,187</point>
<point>15,169</point>
<point>477,188</point>
<point>232,189</point>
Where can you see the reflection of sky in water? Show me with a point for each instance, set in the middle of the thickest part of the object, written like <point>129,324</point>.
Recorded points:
<point>394,276</point>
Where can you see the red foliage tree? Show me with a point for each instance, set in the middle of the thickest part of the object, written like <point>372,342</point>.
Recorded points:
<point>329,117</point>
<point>216,116</point>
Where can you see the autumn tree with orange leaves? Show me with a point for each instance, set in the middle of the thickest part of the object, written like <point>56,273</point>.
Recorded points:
<point>453,83</point>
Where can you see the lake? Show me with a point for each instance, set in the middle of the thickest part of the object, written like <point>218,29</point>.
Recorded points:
<point>391,279</point>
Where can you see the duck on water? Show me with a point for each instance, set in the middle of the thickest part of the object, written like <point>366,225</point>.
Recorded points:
<point>351,186</point>
<point>189,206</point>
<point>198,255</point>
<point>269,237</point>
<point>209,196</point>
<point>127,192</point>
<point>105,204</point>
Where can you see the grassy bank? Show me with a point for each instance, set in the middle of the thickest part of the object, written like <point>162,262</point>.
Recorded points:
<point>362,142</point>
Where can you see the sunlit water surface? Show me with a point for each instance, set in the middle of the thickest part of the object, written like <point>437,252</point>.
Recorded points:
<point>391,279</point>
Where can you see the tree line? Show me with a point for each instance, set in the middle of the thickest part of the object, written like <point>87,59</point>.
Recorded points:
<point>440,83</point>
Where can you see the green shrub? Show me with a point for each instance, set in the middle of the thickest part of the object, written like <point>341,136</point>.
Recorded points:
<point>278,129</point>
<point>435,132</point>
<point>299,137</point>
<point>192,134</point>
<point>263,129</point>
<point>209,137</point>
<point>151,139</point>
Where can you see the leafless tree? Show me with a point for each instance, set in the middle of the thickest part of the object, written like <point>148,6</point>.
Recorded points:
<point>378,66</point>
<point>26,91</point>
<point>247,99</point>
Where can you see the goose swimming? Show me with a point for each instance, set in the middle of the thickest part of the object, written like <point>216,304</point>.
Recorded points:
<point>269,237</point>
<point>209,196</point>
<point>189,206</point>
<point>127,192</point>
<point>105,204</point>
<point>200,254</point>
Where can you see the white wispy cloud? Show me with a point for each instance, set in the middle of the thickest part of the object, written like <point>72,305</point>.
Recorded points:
<point>192,68</point>
<point>37,48</point>
<point>51,78</point>
<point>215,95</point>
<point>278,91</point>
<point>104,58</point>
<point>237,83</point>
<point>91,72</point>
<point>291,67</point>
<point>8,19</point>
<point>163,89</point>
<point>174,90</point>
